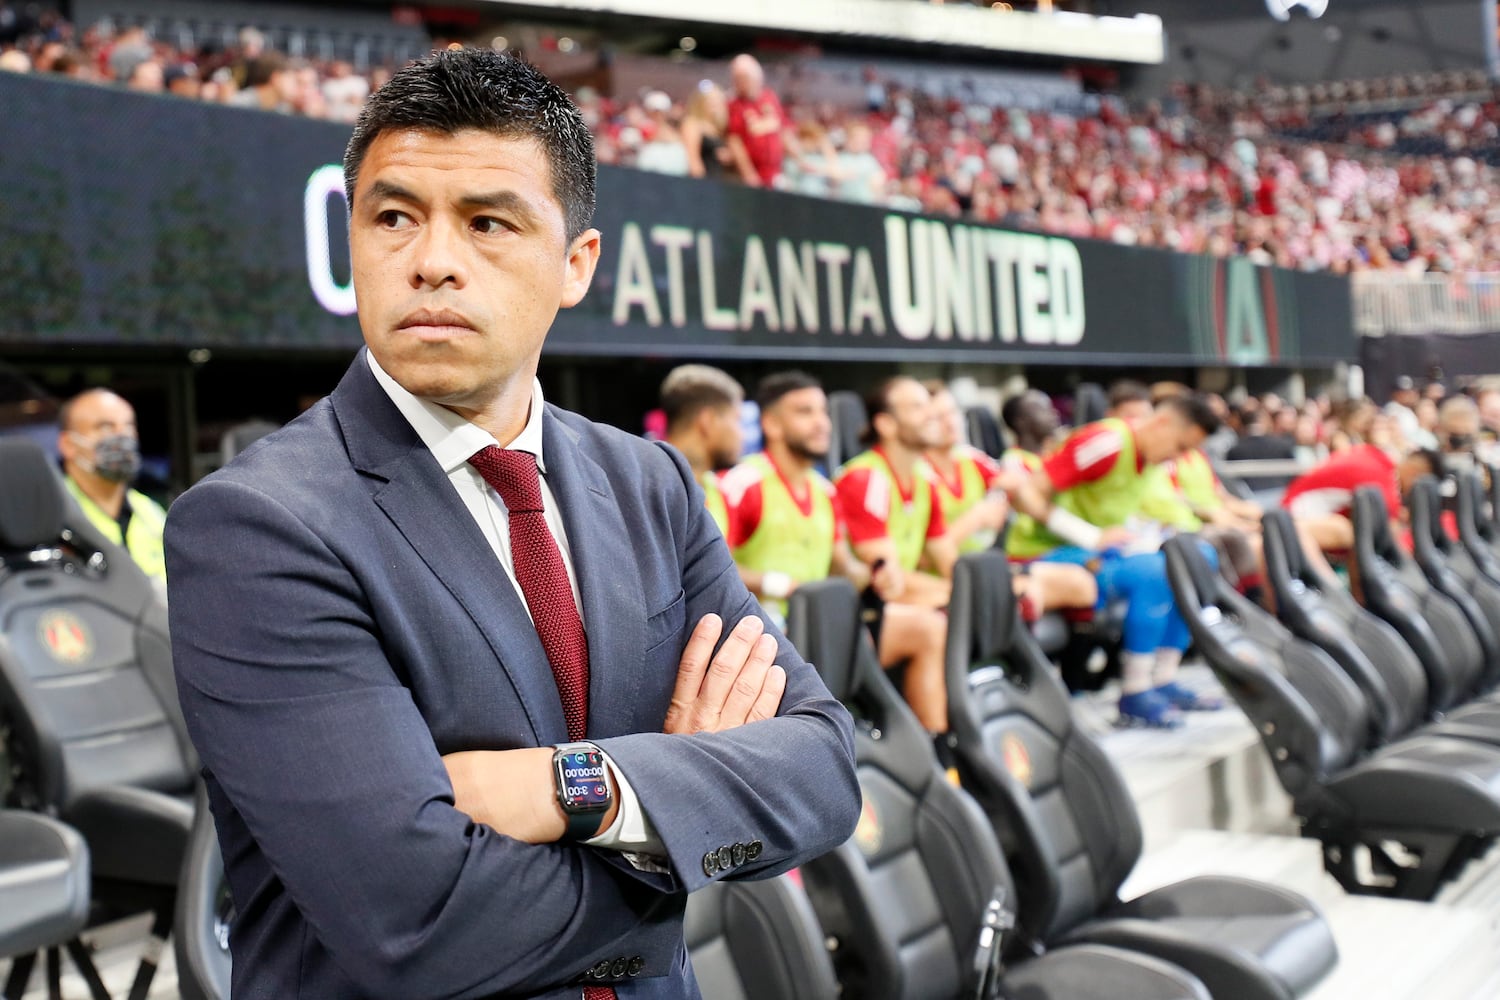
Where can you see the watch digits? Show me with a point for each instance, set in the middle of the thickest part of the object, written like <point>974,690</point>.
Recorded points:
<point>583,789</point>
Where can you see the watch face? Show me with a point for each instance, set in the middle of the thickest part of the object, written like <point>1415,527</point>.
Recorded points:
<point>581,780</point>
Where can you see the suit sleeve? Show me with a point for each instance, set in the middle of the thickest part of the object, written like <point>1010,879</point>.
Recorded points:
<point>308,733</point>
<point>785,784</point>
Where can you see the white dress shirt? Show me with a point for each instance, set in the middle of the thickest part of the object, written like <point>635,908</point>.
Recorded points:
<point>453,441</point>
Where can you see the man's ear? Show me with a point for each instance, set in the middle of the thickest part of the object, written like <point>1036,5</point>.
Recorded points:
<point>583,258</point>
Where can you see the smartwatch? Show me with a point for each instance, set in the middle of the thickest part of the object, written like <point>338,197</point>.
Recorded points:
<point>582,787</point>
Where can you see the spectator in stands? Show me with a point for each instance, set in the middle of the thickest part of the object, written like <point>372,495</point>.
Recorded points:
<point>1321,499</point>
<point>860,177</point>
<point>181,79</point>
<point>1082,500</point>
<point>131,47</point>
<point>1488,401</point>
<point>889,496</point>
<point>705,124</point>
<point>14,61</point>
<point>1402,410</point>
<point>344,91</point>
<point>785,529</point>
<point>662,151</point>
<point>101,456</point>
<point>270,84</point>
<point>757,125</point>
<point>1219,443</point>
<point>702,407</point>
<point>147,77</point>
<point>1458,432</point>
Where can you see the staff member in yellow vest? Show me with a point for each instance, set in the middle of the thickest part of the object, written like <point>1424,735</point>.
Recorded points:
<point>889,495</point>
<point>785,529</point>
<point>971,492</point>
<point>1081,500</point>
<point>702,407</point>
<point>101,456</point>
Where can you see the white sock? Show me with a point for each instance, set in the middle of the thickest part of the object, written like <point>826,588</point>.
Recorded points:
<point>1136,672</point>
<point>1167,662</point>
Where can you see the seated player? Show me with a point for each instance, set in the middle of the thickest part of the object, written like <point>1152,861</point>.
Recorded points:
<point>1082,501</point>
<point>1320,499</point>
<point>784,529</point>
<point>702,407</point>
<point>971,493</point>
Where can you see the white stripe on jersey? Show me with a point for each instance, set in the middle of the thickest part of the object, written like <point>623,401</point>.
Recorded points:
<point>1096,449</point>
<point>878,496</point>
<point>736,481</point>
<point>1321,503</point>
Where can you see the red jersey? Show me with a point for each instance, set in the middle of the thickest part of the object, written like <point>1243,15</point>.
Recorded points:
<point>1090,453</point>
<point>866,502</point>
<point>1329,489</point>
<point>744,497</point>
<point>759,124</point>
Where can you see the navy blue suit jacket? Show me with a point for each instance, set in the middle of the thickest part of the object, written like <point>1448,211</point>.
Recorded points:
<point>339,622</point>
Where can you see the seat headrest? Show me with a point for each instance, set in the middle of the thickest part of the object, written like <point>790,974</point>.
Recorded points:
<point>1089,403</point>
<point>984,431</point>
<point>982,611</point>
<point>1193,579</point>
<point>32,502</point>
<point>847,412</point>
<point>1372,530</point>
<point>1426,502</point>
<point>824,623</point>
<point>1282,547</point>
<point>1469,503</point>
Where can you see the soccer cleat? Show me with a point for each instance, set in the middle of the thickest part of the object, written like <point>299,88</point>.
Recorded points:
<point>1189,700</point>
<point>1148,710</point>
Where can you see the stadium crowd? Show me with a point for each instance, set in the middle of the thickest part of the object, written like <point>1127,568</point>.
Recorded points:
<point>1205,172</point>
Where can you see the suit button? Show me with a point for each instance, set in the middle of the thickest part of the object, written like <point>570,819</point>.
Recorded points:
<point>711,864</point>
<point>738,853</point>
<point>600,969</point>
<point>753,849</point>
<point>617,970</point>
<point>726,857</point>
<point>636,965</point>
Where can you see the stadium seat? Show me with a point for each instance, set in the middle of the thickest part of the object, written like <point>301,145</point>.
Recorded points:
<point>1471,509</point>
<point>1089,404</point>
<point>1319,610</point>
<point>1073,834</point>
<point>757,939</point>
<point>984,431</point>
<point>1436,797</point>
<point>200,931</point>
<point>911,899</point>
<point>847,413</point>
<point>1385,580</point>
<point>1452,571</point>
<point>96,734</point>
<point>44,892</point>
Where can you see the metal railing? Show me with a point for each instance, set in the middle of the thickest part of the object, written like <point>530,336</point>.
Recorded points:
<point>1396,304</point>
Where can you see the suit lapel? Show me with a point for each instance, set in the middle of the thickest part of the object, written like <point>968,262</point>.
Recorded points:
<point>416,495</point>
<point>609,582</point>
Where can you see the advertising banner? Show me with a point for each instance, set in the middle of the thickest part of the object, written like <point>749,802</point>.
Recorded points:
<point>148,220</point>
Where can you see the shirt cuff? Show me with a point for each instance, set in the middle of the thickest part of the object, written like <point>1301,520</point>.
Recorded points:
<point>631,833</point>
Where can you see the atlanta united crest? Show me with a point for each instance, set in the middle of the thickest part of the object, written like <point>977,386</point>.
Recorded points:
<point>65,636</point>
<point>1017,758</point>
<point>867,831</point>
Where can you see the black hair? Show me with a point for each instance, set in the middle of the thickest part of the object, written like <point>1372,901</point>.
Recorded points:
<point>457,89</point>
<point>1435,462</point>
<point>769,390</point>
<point>1194,409</point>
<point>688,390</point>
<point>878,401</point>
<point>1128,391</point>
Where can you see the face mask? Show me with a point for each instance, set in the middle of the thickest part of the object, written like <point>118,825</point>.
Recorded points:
<point>117,457</point>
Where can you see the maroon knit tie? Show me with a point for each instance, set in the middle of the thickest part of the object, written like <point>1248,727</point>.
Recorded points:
<point>544,581</point>
<point>543,577</point>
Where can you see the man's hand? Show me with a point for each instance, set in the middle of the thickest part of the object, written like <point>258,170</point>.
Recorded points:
<point>512,791</point>
<point>741,684</point>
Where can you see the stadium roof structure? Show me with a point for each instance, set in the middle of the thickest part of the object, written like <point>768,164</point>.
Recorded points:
<point>1053,34</point>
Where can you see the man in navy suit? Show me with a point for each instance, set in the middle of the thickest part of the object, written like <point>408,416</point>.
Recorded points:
<point>388,616</point>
